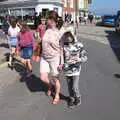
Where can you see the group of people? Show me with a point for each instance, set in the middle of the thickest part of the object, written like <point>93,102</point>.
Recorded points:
<point>58,50</point>
<point>85,17</point>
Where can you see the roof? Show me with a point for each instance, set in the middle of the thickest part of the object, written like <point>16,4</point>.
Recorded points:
<point>23,3</point>
<point>11,1</point>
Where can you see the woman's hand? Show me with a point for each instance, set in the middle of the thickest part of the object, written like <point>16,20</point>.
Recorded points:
<point>17,52</point>
<point>60,67</point>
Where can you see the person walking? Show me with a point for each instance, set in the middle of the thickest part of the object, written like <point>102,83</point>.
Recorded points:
<point>25,45</point>
<point>38,37</point>
<point>6,25</point>
<point>50,56</point>
<point>90,17</point>
<point>74,56</point>
<point>85,18</point>
<point>12,39</point>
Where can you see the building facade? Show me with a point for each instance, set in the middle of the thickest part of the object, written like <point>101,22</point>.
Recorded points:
<point>72,7</point>
<point>29,7</point>
<point>68,10</point>
<point>83,4</point>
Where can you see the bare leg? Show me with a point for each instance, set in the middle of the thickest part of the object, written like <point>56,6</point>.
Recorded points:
<point>29,65</point>
<point>11,56</point>
<point>57,95</point>
<point>44,77</point>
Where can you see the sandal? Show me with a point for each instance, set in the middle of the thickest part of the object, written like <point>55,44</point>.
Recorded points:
<point>56,101</point>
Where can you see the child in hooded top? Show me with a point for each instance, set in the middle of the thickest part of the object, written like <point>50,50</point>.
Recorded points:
<point>74,56</point>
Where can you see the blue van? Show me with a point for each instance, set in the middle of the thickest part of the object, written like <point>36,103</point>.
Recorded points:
<point>108,20</point>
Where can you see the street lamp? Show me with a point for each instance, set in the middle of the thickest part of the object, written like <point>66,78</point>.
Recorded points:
<point>76,10</point>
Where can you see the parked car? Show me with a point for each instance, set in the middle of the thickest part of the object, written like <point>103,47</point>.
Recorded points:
<point>108,20</point>
<point>117,22</point>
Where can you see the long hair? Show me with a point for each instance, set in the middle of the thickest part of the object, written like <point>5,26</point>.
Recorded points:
<point>68,38</point>
<point>53,15</point>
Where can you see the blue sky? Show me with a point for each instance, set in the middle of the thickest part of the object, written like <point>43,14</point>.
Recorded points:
<point>105,6</point>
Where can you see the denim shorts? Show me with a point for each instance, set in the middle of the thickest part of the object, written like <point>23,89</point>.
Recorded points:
<point>27,52</point>
<point>13,41</point>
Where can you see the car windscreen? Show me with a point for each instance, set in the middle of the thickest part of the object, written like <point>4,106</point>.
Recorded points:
<point>107,17</point>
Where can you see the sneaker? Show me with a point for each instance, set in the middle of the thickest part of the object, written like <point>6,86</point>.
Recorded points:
<point>71,103</point>
<point>77,101</point>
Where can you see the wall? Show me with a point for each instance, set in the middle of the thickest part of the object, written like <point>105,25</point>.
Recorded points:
<point>39,8</point>
<point>81,4</point>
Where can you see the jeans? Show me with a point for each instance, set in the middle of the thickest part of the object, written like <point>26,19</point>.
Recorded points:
<point>73,86</point>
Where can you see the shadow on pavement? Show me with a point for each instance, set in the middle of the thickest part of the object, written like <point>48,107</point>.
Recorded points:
<point>99,24</point>
<point>114,40</point>
<point>104,25</point>
<point>34,84</point>
<point>4,45</point>
<point>117,75</point>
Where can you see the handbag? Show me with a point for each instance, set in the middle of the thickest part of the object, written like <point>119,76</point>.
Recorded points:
<point>37,52</point>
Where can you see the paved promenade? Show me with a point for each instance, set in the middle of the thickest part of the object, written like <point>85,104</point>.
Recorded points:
<point>99,85</point>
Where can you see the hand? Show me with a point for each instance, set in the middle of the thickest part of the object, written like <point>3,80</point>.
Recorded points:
<point>74,58</point>
<point>17,52</point>
<point>60,67</point>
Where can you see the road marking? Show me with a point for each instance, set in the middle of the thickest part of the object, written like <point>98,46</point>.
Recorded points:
<point>5,64</point>
<point>95,38</point>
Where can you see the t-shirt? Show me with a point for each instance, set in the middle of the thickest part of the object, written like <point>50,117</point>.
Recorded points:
<point>25,39</point>
<point>13,32</point>
<point>13,35</point>
<point>51,43</point>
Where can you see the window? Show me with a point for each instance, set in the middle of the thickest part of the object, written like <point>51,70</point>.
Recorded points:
<point>56,9</point>
<point>68,3</point>
<point>44,12</point>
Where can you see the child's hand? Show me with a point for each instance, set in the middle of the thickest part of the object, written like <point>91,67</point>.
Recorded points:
<point>17,52</point>
<point>74,58</point>
<point>36,58</point>
<point>60,67</point>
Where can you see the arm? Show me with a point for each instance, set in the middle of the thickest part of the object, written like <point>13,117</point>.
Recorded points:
<point>38,32</point>
<point>18,44</point>
<point>61,64</point>
<point>9,31</point>
<point>61,57</point>
<point>32,39</point>
<point>83,56</point>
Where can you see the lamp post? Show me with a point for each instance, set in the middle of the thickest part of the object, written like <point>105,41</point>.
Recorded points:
<point>75,7</point>
<point>76,11</point>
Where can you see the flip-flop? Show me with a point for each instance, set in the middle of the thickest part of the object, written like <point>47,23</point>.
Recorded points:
<point>56,101</point>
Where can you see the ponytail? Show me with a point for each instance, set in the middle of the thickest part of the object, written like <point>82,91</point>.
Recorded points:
<point>59,22</point>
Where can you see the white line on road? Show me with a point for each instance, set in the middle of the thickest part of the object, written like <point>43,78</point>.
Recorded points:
<point>103,40</point>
